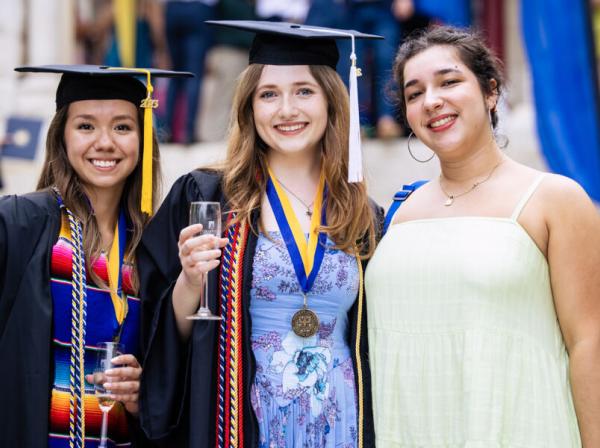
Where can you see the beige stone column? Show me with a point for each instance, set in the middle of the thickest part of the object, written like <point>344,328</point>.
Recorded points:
<point>50,39</point>
<point>11,29</point>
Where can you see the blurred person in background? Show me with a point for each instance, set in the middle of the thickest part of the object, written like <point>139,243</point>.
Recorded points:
<point>379,17</point>
<point>189,40</point>
<point>96,30</point>
<point>225,61</point>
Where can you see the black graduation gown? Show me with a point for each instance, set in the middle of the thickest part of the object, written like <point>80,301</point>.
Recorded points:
<point>29,228</point>
<point>178,388</point>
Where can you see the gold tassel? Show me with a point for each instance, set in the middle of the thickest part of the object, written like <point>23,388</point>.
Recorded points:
<point>148,104</point>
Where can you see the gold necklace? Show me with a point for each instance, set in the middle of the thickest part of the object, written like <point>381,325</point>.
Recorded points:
<point>307,207</point>
<point>451,197</point>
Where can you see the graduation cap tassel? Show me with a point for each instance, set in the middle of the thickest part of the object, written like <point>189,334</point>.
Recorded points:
<point>355,169</point>
<point>147,155</point>
<point>148,104</point>
<point>355,172</point>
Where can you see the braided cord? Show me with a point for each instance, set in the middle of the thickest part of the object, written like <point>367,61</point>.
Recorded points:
<point>235,339</point>
<point>230,395</point>
<point>78,319</point>
<point>359,373</point>
<point>225,276</point>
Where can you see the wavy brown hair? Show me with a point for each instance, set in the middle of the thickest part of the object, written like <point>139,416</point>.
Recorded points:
<point>245,168</point>
<point>58,172</point>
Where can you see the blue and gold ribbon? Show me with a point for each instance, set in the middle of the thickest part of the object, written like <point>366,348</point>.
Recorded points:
<point>115,265</point>
<point>306,256</point>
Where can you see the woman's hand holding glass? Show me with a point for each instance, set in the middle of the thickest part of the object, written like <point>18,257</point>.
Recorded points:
<point>122,381</point>
<point>199,254</point>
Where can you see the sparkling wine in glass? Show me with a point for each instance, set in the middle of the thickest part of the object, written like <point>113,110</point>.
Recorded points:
<point>106,352</point>
<point>209,215</point>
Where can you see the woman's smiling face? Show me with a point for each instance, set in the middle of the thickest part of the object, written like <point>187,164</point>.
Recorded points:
<point>445,106</point>
<point>290,109</point>
<point>102,139</point>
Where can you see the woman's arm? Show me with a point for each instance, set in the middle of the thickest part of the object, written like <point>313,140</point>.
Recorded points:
<point>198,257</point>
<point>574,259</point>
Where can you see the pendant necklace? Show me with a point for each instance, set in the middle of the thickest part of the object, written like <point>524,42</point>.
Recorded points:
<point>451,197</point>
<point>307,207</point>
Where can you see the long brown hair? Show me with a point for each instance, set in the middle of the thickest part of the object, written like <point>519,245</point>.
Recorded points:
<point>58,172</point>
<point>245,169</point>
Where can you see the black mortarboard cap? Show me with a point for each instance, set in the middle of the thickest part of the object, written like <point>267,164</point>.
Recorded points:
<point>99,82</point>
<point>284,43</point>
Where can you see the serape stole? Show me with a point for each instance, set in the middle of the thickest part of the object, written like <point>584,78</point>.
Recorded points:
<point>101,324</point>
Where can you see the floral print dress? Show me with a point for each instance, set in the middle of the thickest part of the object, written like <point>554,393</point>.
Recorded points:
<point>304,393</point>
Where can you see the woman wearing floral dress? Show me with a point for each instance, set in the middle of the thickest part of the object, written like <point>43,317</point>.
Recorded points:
<point>296,239</point>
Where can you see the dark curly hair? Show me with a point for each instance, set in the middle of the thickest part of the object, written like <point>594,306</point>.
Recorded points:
<point>471,50</point>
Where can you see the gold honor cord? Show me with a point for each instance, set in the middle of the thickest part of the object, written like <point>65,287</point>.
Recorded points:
<point>115,265</point>
<point>359,374</point>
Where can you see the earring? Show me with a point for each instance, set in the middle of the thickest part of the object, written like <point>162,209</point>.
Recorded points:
<point>411,153</point>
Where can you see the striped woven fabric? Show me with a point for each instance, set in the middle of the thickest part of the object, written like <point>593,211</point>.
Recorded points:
<point>101,325</point>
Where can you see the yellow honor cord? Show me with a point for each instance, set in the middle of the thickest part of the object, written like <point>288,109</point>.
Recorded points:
<point>359,371</point>
<point>148,104</point>
<point>313,237</point>
<point>119,303</point>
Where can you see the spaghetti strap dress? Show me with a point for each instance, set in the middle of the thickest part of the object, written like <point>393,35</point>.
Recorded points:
<point>465,345</point>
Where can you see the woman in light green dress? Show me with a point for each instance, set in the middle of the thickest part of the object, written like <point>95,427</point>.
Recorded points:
<point>484,311</point>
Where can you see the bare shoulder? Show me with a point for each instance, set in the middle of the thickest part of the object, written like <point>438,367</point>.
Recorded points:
<point>561,194</point>
<point>567,207</point>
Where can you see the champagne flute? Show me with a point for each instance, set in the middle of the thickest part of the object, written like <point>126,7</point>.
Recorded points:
<point>209,215</point>
<point>106,352</point>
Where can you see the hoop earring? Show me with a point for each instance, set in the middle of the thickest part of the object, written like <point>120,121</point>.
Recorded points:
<point>411,153</point>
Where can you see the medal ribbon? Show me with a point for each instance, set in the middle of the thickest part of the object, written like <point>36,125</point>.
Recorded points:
<point>306,256</point>
<point>115,266</point>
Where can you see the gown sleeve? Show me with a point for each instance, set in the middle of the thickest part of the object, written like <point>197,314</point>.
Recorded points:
<point>23,225</point>
<point>164,384</point>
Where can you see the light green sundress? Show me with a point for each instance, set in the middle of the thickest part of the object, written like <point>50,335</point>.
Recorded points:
<point>465,346</point>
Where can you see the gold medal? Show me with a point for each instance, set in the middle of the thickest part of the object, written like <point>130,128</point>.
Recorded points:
<point>305,323</point>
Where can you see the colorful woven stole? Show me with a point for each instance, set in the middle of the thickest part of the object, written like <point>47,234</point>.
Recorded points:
<point>230,428</point>
<point>78,318</point>
<point>79,314</point>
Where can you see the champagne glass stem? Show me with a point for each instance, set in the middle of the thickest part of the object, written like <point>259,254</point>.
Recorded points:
<point>205,295</point>
<point>104,429</point>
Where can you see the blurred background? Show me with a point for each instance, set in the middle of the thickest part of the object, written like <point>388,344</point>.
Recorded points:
<point>549,115</point>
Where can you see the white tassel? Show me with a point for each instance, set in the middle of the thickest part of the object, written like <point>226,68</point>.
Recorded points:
<point>355,168</point>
